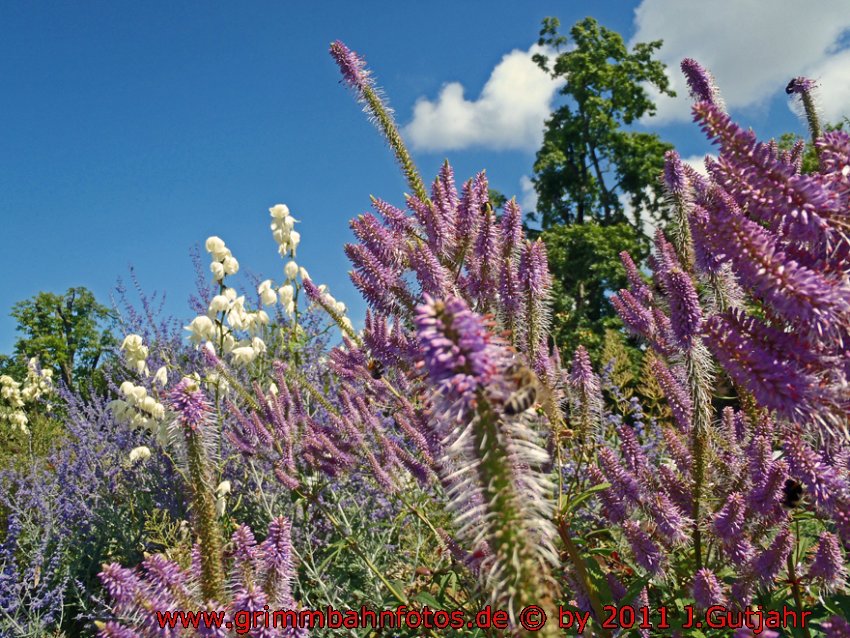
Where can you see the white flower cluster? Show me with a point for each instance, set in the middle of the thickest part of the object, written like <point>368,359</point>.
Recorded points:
<point>14,395</point>
<point>223,261</point>
<point>288,240</point>
<point>209,328</point>
<point>287,243</point>
<point>141,453</point>
<point>138,409</point>
<point>282,230</point>
<point>136,353</point>
<point>227,316</point>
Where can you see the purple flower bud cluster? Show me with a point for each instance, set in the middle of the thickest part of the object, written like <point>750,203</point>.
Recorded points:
<point>260,574</point>
<point>760,226</point>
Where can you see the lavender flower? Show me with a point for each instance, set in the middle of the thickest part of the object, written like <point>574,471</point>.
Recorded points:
<point>828,564</point>
<point>258,576</point>
<point>766,566</point>
<point>836,627</point>
<point>188,401</point>
<point>701,83</point>
<point>707,588</point>
<point>586,395</point>
<point>685,312</point>
<point>647,554</point>
<point>455,345</point>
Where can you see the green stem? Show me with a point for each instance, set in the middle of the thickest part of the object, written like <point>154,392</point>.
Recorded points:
<point>795,589</point>
<point>699,379</point>
<point>387,125</point>
<point>811,116</point>
<point>581,573</point>
<point>209,534</point>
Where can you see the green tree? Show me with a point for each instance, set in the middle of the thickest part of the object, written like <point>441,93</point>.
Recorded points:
<point>68,333</point>
<point>596,178</point>
<point>585,264</point>
<point>810,162</point>
<point>590,166</point>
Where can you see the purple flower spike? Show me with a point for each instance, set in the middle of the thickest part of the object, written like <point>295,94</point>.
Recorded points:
<point>800,85</point>
<point>190,404</point>
<point>685,312</point>
<point>585,381</point>
<point>768,564</point>
<point>828,564</point>
<point>675,178</point>
<point>456,345</point>
<point>638,286</point>
<point>623,483</point>
<point>113,629</point>
<point>823,483</point>
<point>613,506</point>
<point>836,627</point>
<point>700,82</point>
<point>707,589</point>
<point>729,521</point>
<point>647,554</point>
<point>634,314</point>
<point>677,398</point>
<point>775,382</point>
<point>353,68</point>
<point>534,269</point>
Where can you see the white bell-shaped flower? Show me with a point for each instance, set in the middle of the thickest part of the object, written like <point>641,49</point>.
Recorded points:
<point>215,246</point>
<point>202,328</point>
<point>217,269</point>
<point>279,211</point>
<point>243,355</point>
<point>219,303</point>
<point>231,265</point>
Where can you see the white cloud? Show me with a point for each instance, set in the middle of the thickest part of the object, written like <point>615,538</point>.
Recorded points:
<point>528,196</point>
<point>509,114</point>
<point>697,162</point>
<point>752,47</point>
<point>833,76</point>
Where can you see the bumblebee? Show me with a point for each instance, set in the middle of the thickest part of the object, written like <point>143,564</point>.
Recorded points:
<point>376,369</point>
<point>792,494</point>
<point>526,393</point>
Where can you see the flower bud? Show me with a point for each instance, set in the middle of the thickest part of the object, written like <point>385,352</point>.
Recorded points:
<point>268,297</point>
<point>279,211</point>
<point>217,270</point>
<point>286,292</point>
<point>219,303</point>
<point>290,270</point>
<point>215,246</point>
<point>231,265</point>
<point>141,453</point>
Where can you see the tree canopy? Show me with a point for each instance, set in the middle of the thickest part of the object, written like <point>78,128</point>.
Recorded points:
<point>69,333</point>
<point>590,167</point>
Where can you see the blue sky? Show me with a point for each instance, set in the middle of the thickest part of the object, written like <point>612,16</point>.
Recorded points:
<point>132,131</point>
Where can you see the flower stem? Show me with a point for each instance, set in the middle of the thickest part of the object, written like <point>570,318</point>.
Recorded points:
<point>390,130</point>
<point>209,534</point>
